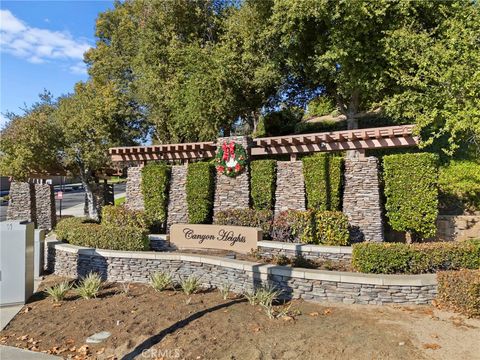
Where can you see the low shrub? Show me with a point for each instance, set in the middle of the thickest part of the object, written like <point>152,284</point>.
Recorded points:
<point>294,226</point>
<point>246,217</point>
<point>66,225</point>
<point>460,290</point>
<point>101,236</point>
<point>262,183</point>
<point>154,187</point>
<point>89,286</point>
<point>190,285</point>
<point>199,187</point>
<point>160,281</point>
<point>58,291</point>
<point>332,228</point>
<point>392,258</point>
<point>122,216</point>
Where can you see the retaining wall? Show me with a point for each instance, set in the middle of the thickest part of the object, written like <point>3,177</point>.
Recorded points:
<point>314,285</point>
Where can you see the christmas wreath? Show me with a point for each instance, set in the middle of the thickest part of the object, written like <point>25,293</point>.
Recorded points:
<point>230,159</point>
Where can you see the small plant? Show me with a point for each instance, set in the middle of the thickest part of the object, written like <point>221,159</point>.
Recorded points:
<point>251,297</point>
<point>160,281</point>
<point>58,291</point>
<point>125,289</point>
<point>190,285</point>
<point>225,290</point>
<point>89,286</point>
<point>281,260</point>
<point>302,262</point>
<point>266,296</point>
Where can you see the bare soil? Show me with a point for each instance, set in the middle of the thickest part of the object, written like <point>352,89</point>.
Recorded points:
<point>171,325</point>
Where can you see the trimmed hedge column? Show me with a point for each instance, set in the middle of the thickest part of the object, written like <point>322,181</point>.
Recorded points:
<point>45,206</point>
<point>177,197</point>
<point>22,202</point>
<point>233,192</point>
<point>200,186</point>
<point>134,197</point>
<point>361,199</point>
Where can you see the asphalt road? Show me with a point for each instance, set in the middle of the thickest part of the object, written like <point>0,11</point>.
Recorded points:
<point>70,198</point>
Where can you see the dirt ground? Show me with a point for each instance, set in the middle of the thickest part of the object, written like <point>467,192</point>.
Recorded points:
<point>171,325</point>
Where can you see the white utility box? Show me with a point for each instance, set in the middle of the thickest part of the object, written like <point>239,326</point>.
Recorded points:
<point>16,262</point>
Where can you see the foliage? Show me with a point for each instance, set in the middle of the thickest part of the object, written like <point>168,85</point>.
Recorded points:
<point>294,226</point>
<point>190,285</point>
<point>200,187</point>
<point>277,123</point>
<point>440,91</point>
<point>58,291</point>
<point>225,290</point>
<point>332,228</point>
<point>111,237</point>
<point>460,290</point>
<point>31,143</point>
<point>120,201</point>
<point>67,225</point>
<point>323,179</point>
<point>154,187</point>
<point>411,193</point>
<point>459,185</point>
<point>122,216</point>
<point>89,286</point>
<point>391,258</point>
<point>262,183</point>
<point>160,281</point>
<point>319,106</point>
<point>305,127</point>
<point>246,217</point>
<point>266,296</point>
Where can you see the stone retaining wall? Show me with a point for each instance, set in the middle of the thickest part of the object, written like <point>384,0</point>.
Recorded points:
<point>290,187</point>
<point>21,205</point>
<point>177,196</point>
<point>361,199</point>
<point>313,285</point>
<point>457,227</point>
<point>45,206</point>
<point>311,252</point>
<point>134,197</point>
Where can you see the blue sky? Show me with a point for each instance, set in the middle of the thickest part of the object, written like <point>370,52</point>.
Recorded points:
<point>42,43</point>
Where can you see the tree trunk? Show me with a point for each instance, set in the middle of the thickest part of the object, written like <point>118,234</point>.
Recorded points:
<point>92,206</point>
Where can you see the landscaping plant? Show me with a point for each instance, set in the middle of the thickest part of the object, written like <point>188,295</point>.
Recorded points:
<point>332,228</point>
<point>89,286</point>
<point>154,187</point>
<point>199,187</point>
<point>460,290</point>
<point>295,226</point>
<point>246,217</point>
<point>262,183</point>
<point>160,281</point>
<point>190,285</point>
<point>123,216</point>
<point>225,290</point>
<point>58,291</point>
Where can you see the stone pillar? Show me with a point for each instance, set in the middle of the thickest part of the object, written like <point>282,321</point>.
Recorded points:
<point>361,199</point>
<point>134,197</point>
<point>45,206</point>
<point>177,196</point>
<point>21,205</point>
<point>290,190</point>
<point>233,193</point>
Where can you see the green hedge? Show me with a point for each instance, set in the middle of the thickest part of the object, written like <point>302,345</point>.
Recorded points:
<point>332,228</point>
<point>101,236</point>
<point>295,226</point>
<point>246,217</point>
<point>323,180</point>
<point>262,183</point>
<point>459,185</point>
<point>460,290</point>
<point>122,216</point>
<point>154,187</point>
<point>411,193</point>
<point>200,188</point>
<point>392,258</point>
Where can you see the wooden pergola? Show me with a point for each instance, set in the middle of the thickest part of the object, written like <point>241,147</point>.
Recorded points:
<point>359,139</point>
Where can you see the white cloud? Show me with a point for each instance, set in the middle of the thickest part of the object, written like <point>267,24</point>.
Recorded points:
<point>40,45</point>
<point>79,68</point>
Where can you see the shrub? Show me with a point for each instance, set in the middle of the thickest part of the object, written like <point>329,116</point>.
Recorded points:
<point>323,179</point>
<point>246,217</point>
<point>459,184</point>
<point>122,216</point>
<point>391,258</point>
<point>294,226</point>
<point>190,285</point>
<point>411,193</point>
<point>120,201</point>
<point>262,183</point>
<point>332,228</point>
<point>89,286</point>
<point>58,291</point>
<point>200,184</point>
<point>225,290</point>
<point>160,281</point>
<point>460,290</point>
<point>154,186</point>
<point>110,237</point>
<point>66,225</point>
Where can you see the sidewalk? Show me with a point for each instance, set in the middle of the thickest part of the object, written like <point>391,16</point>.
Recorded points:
<point>77,210</point>
<point>13,353</point>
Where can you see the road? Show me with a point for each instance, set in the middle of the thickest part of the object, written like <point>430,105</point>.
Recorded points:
<point>70,199</point>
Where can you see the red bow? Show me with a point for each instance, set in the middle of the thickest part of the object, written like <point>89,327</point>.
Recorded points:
<point>228,150</point>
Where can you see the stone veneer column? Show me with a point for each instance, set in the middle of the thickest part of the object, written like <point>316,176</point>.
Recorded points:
<point>134,197</point>
<point>290,190</point>
<point>177,196</point>
<point>45,206</point>
<point>233,193</point>
<point>21,205</point>
<point>361,199</point>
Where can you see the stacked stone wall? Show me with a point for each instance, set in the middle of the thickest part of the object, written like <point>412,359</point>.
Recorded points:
<point>21,205</point>
<point>45,206</point>
<point>361,199</point>
<point>134,197</point>
<point>290,188</point>
<point>177,196</point>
